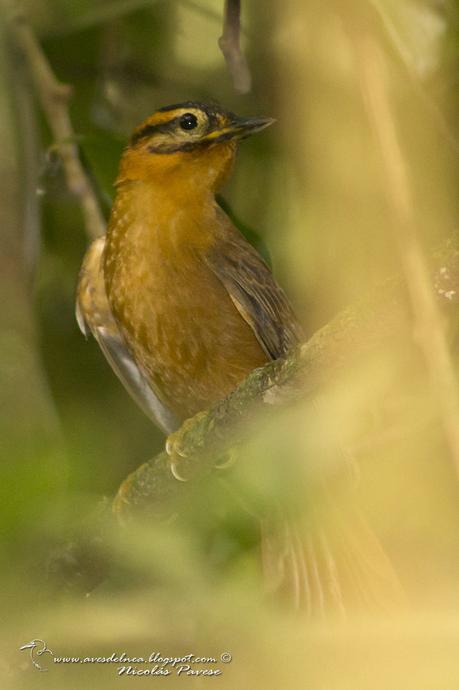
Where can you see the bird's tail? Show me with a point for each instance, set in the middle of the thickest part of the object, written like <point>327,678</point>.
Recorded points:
<point>334,566</point>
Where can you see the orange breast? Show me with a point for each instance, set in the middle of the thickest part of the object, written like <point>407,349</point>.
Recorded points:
<point>177,317</point>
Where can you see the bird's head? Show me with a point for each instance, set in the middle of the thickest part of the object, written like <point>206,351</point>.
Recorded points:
<point>29,645</point>
<point>189,143</point>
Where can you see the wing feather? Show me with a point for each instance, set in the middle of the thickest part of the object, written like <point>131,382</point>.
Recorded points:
<point>94,316</point>
<point>259,299</point>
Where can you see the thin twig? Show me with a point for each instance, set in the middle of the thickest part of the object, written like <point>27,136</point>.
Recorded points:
<point>54,99</point>
<point>230,45</point>
<point>428,322</point>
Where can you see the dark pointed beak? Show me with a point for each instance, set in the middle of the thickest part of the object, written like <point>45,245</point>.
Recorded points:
<point>245,126</point>
<point>238,128</point>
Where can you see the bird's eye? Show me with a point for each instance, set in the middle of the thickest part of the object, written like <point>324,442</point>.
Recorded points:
<point>188,121</point>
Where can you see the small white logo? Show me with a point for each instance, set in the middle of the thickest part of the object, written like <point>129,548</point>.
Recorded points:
<point>37,649</point>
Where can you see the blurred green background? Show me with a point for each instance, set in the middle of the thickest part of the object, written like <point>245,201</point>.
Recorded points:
<point>310,193</point>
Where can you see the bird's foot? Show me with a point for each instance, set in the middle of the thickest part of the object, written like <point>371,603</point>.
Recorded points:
<point>183,443</point>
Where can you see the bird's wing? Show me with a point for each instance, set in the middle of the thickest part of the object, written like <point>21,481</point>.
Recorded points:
<point>94,316</point>
<point>254,292</point>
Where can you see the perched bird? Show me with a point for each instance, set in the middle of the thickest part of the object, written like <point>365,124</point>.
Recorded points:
<point>184,308</point>
<point>181,304</point>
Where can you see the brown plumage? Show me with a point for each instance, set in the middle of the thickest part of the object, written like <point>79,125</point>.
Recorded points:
<point>186,296</point>
<point>184,308</point>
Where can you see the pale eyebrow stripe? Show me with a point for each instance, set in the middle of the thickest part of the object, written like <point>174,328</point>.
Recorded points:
<point>167,126</point>
<point>151,129</point>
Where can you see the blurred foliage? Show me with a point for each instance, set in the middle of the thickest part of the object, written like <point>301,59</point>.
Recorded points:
<point>311,190</point>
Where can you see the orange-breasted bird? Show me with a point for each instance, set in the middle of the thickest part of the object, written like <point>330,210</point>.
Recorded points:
<point>182,306</point>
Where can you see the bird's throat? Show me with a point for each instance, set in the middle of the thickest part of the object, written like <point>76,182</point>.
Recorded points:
<point>153,220</point>
<point>153,245</point>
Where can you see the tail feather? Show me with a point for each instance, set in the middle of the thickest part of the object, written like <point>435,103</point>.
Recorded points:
<point>334,566</point>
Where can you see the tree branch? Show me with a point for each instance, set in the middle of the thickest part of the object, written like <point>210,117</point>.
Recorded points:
<point>333,349</point>
<point>230,45</point>
<point>54,99</point>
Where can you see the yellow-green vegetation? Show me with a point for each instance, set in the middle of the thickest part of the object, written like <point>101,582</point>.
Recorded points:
<point>355,435</point>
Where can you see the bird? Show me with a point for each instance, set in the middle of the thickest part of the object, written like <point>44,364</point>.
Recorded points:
<point>183,307</point>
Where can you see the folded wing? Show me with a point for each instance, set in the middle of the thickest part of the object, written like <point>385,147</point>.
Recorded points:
<point>94,316</point>
<point>259,299</point>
